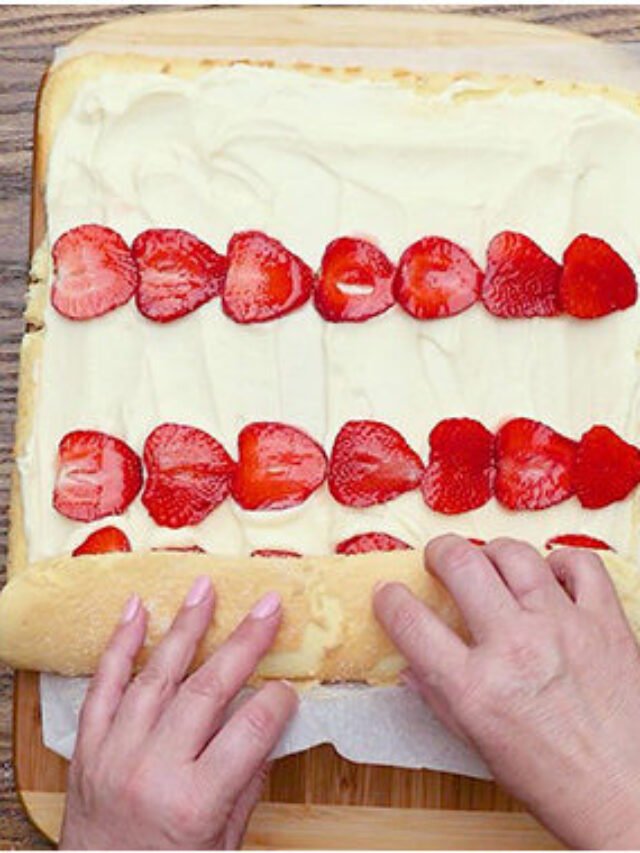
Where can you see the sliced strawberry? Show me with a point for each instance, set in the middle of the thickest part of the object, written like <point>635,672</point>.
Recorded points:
<point>264,280</point>
<point>374,541</point>
<point>595,280</point>
<point>195,549</point>
<point>102,541</point>
<point>578,540</point>
<point>178,273</point>
<point>520,279</point>
<point>354,282</point>
<point>274,552</point>
<point>93,272</point>
<point>279,466</point>
<point>96,475</point>
<point>188,474</point>
<point>436,278</point>
<point>461,469</point>
<point>607,469</point>
<point>475,541</point>
<point>534,465</point>
<point>371,464</point>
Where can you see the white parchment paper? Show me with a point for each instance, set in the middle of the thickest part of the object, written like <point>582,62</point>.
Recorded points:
<point>374,725</point>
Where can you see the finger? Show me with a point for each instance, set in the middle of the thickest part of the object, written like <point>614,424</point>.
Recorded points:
<point>435,699</point>
<point>246,803</point>
<point>433,650</point>
<point>204,696</point>
<point>583,574</point>
<point>473,581</point>
<point>111,677</point>
<point>527,574</point>
<point>246,741</point>
<point>153,687</point>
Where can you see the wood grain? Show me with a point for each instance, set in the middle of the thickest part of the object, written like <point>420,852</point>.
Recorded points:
<point>289,827</point>
<point>28,35</point>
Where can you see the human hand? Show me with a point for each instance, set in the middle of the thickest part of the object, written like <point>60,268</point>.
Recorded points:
<point>154,765</point>
<point>548,690</point>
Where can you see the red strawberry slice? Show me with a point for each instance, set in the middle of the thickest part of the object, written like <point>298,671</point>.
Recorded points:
<point>520,280</point>
<point>595,280</point>
<point>195,549</point>
<point>102,541</point>
<point>461,469</point>
<point>373,541</point>
<point>96,475</point>
<point>178,273</point>
<point>578,540</point>
<point>436,278</point>
<point>93,272</point>
<point>607,469</point>
<point>534,465</point>
<point>371,464</point>
<point>475,541</point>
<point>354,282</point>
<point>264,280</point>
<point>274,552</point>
<point>279,466</point>
<point>188,474</point>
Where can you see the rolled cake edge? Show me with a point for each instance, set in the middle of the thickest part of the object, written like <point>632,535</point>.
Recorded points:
<point>58,615</point>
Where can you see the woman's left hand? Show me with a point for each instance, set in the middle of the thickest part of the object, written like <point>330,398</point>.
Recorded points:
<point>155,765</point>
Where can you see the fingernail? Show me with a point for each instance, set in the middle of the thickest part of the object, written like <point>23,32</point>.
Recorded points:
<point>267,606</point>
<point>200,589</point>
<point>131,609</point>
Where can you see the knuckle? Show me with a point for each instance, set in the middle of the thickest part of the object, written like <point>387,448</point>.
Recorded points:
<point>521,668</point>
<point>406,620</point>
<point>260,722</point>
<point>154,677</point>
<point>137,791</point>
<point>97,684</point>
<point>512,549</point>
<point>186,818</point>
<point>207,684</point>
<point>459,557</point>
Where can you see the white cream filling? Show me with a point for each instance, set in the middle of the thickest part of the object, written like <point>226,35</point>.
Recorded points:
<point>308,159</point>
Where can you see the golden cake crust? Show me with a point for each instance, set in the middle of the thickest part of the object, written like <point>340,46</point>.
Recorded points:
<point>58,615</point>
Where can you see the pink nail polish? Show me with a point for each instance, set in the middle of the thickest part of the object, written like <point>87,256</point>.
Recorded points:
<point>267,606</point>
<point>131,609</point>
<point>200,589</point>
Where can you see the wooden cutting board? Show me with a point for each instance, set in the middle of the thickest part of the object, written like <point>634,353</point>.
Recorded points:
<point>315,799</point>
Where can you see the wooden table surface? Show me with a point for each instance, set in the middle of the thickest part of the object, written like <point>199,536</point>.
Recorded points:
<point>28,35</point>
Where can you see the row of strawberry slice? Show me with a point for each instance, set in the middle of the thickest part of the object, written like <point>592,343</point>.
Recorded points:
<point>171,273</point>
<point>110,538</point>
<point>526,465</point>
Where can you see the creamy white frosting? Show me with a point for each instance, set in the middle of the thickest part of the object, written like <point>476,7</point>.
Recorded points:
<point>307,159</point>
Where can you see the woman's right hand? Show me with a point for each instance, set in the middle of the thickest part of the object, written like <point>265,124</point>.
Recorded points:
<point>548,689</point>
